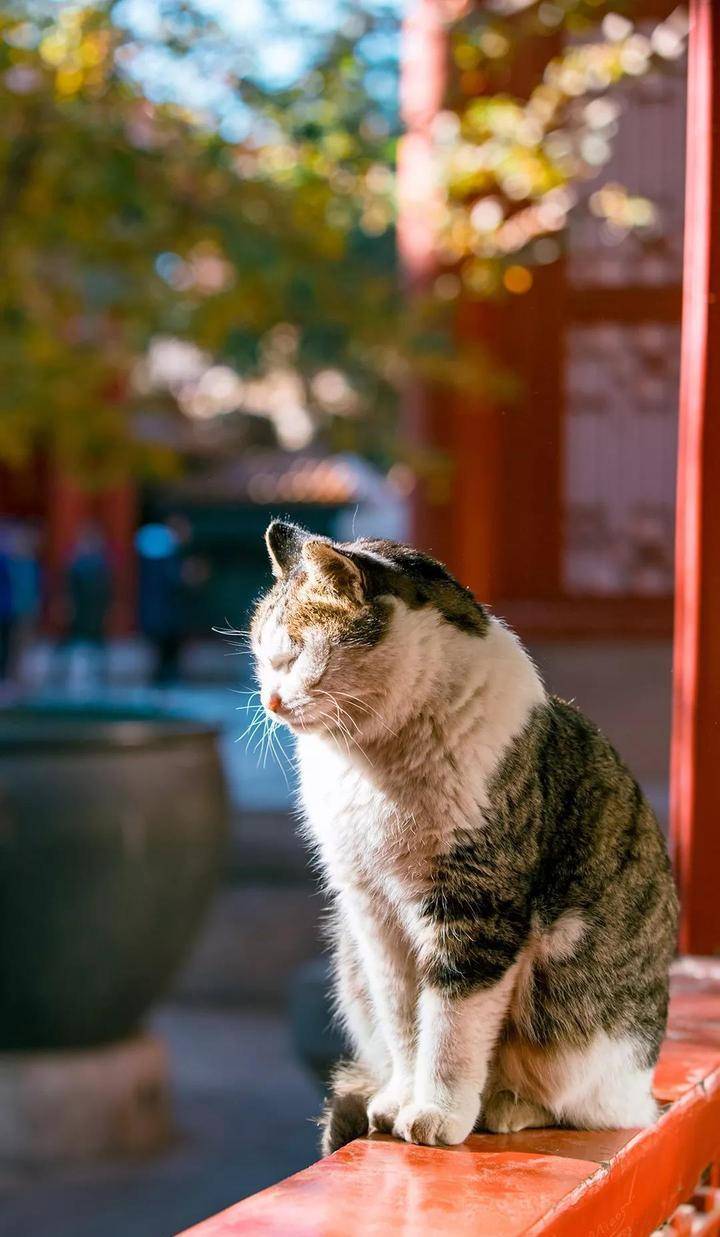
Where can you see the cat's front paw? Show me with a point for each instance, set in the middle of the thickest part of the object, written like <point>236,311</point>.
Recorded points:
<point>385,1105</point>
<point>430,1124</point>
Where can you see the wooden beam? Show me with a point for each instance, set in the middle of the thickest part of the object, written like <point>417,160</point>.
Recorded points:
<point>628,304</point>
<point>695,792</point>
<point>581,617</point>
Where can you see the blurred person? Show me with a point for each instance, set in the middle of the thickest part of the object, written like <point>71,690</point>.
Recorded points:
<point>7,618</point>
<point>25,586</point>
<point>161,599</point>
<point>88,587</point>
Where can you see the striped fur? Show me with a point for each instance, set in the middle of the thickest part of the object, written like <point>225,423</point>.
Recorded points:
<point>504,914</point>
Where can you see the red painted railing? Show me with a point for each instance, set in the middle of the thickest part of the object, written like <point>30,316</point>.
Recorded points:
<point>564,1183</point>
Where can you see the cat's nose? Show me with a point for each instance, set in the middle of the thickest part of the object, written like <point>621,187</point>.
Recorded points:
<point>274,704</point>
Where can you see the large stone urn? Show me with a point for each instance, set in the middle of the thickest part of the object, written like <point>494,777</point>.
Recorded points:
<point>112,833</point>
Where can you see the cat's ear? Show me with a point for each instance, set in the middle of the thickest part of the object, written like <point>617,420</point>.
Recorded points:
<point>284,543</point>
<point>335,567</point>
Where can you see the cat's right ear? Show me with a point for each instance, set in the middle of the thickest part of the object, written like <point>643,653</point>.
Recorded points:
<point>284,542</point>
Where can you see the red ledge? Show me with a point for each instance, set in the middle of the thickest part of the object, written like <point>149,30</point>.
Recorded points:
<point>567,1183</point>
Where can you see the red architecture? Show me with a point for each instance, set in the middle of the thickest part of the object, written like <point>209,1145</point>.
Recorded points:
<point>558,507</point>
<point>48,498</point>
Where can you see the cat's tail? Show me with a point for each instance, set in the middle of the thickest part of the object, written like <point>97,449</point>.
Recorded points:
<point>344,1116</point>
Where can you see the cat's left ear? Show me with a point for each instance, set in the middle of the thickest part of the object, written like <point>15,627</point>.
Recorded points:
<point>335,567</point>
<point>284,542</point>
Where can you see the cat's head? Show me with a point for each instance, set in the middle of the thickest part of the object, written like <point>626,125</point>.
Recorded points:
<point>330,636</point>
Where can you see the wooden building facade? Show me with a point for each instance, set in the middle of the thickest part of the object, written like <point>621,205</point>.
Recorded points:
<point>560,503</point>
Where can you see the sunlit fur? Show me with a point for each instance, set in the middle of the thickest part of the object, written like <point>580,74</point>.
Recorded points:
<point>502,906</point>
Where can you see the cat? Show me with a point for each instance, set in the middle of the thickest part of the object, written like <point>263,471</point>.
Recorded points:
<point>503,909</point>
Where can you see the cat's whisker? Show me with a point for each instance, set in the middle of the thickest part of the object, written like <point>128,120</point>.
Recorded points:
<point>229,630</point>
<point>336,737</point>
<point>248,703</point>
<point>334,701</point>
<point>363,704</point>
<point>277,750</point>
<point>253,725</point>
<point>263,736</point>
<point>342,726</point>
<point>359,703</point>
<point>343,730</point>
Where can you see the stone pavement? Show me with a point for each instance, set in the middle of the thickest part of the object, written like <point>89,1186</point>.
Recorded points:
<point>245,1117</point>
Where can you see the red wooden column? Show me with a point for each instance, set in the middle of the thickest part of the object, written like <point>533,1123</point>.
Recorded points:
<point>422,90</point>
<point>479,472</point>
<point>533,347</point>
<point>117,510</point>
<point>695,800</point>
<point>495,516</point>
<point>456,516</point>
<point>67,510</point>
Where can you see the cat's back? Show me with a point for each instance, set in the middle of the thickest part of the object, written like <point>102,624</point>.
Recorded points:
<point>601,843</point>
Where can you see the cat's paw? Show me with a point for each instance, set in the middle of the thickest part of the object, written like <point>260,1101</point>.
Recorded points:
<point>429,1124</point>
<point>385,1105</point>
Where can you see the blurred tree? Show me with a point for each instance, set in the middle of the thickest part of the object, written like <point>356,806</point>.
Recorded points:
<point>123,220</point>
<point>188,231</point>
<point>513,164</point>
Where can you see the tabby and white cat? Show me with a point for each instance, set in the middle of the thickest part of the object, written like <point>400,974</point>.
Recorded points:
<point>504,912</point>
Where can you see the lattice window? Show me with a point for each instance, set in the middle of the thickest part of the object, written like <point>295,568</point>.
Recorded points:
<point>620,443</point>
<point>622,372</point>
<point>648,158</point>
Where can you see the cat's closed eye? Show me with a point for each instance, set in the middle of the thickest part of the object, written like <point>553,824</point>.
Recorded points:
<point>284,661</point>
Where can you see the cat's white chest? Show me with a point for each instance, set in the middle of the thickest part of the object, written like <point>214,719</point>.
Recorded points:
<point>361,834</point>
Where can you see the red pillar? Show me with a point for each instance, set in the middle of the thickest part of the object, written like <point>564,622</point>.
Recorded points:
<point>456,516</point>
<point>117,511</point>
<point>422,89</point>
<point>479,476</point>
<point>495,517</point>
<point>531,499</point>
<point>68,509</point>
<point>695,797</point>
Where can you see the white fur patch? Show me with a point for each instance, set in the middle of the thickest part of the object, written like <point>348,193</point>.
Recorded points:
<point>562,938</point>
<point>602,1087</point>
<point>437,710</point>
<point>599,1086</point>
